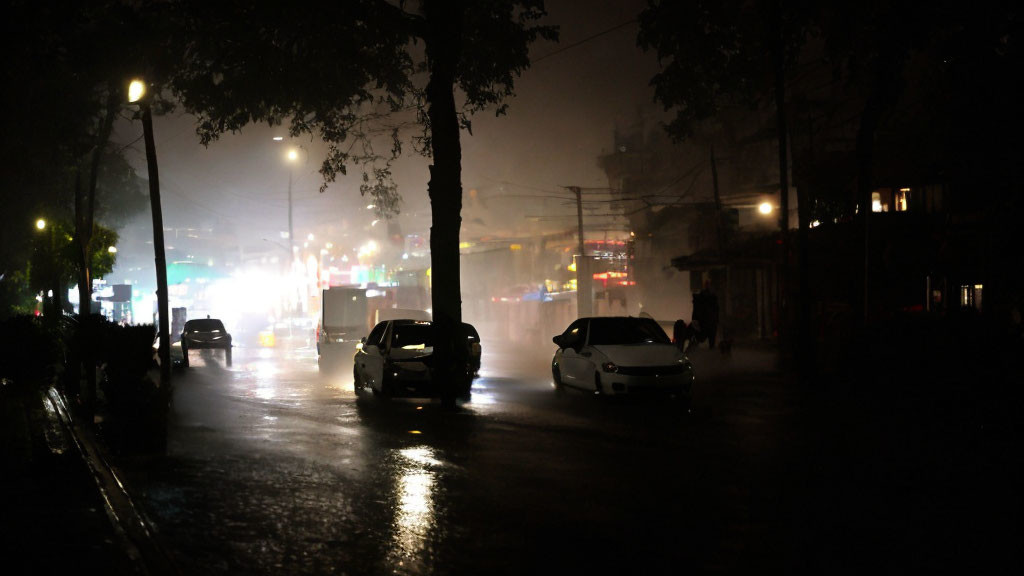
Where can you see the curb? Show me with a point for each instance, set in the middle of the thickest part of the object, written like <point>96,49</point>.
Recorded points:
<point>136,534</point>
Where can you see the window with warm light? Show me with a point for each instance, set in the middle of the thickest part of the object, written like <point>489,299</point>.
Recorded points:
<point>901,198</point>
<point>876,202</point>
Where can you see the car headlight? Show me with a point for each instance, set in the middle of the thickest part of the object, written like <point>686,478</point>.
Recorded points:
<point>609,367</point>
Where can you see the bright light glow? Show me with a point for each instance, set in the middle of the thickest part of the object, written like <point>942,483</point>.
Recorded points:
<point>765,208</point>
<point>374,223</point>
<point>293,155</point>
<point>366,250</point>
<point>136,90</point>
<point>405,256</point>
<point>310,237</point>
<point>329,245</point>
<point>370,206</point>
<point>278,138</point>
<point>815,223</point>
<point>40,224</point>
<point>112,249</point>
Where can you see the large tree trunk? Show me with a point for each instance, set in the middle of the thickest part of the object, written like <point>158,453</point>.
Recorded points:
<point>444,23</point>
<point>85,209</point>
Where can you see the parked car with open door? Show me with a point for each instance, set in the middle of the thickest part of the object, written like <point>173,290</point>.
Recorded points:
<point>620,355</point>
<point>397,359</point>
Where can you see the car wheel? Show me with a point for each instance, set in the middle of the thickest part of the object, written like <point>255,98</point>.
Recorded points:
<point>227,356</point>
<point>597,383</point>
<point>386,391</point>
<point>448,401</point>
<point>556,377</point>
<point>184,357</point>
<point>357,382</point>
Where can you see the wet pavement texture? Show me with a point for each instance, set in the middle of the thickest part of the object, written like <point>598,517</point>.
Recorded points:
<point>274,467</point>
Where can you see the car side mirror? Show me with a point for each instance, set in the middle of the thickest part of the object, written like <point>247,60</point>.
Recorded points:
<point>559,341</point>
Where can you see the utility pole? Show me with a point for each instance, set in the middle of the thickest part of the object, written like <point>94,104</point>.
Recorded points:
<point>780,112</point>
<point>584,296</point>
<point>291,231</point>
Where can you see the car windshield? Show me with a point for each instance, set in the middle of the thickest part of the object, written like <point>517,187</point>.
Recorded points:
<point>617,331</point>
<point>412,336</point>
<point>207,325</point>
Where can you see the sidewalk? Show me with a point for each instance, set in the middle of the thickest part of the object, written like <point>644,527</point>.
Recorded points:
<point>64,510</point>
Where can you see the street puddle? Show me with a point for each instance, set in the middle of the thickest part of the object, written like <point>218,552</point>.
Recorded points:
<point>415,486</point>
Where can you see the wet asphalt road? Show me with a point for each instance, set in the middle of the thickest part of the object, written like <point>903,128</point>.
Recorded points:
<point>273,467</point>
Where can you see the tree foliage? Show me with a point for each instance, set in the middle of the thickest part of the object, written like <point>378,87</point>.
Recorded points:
<point>350,73</point>
<point>62,62</point>
<point>715,56</point>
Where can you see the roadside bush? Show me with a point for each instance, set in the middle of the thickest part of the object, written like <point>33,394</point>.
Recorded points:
<point>29,352</point>
<point>137,403</point>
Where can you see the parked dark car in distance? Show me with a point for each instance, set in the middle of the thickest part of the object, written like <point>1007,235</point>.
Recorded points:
<point>205,334</point>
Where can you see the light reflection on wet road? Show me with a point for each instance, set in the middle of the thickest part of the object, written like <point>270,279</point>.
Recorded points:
<point>274,467</point>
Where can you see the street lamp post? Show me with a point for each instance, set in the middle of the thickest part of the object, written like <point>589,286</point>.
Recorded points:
<point>293,155</point>
<point>137,93</point>
<point>56,305</point>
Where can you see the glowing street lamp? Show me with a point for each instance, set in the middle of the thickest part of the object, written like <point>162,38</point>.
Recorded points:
<point>40,224</point>
<point>136,90</point>
<point>765,208</point>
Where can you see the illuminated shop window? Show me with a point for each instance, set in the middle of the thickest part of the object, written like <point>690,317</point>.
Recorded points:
<point>901,198</point>
<point>970,296</point>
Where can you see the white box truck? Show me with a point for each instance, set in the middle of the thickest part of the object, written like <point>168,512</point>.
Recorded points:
<point>344,320</point>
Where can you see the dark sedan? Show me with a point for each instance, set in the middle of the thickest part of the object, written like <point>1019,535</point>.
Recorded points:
<point>205,334</point>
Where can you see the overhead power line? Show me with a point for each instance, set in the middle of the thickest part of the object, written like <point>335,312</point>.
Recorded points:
<point>584,41</point>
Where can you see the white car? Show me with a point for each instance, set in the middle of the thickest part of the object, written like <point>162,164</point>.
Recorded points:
<point>620,355</point>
